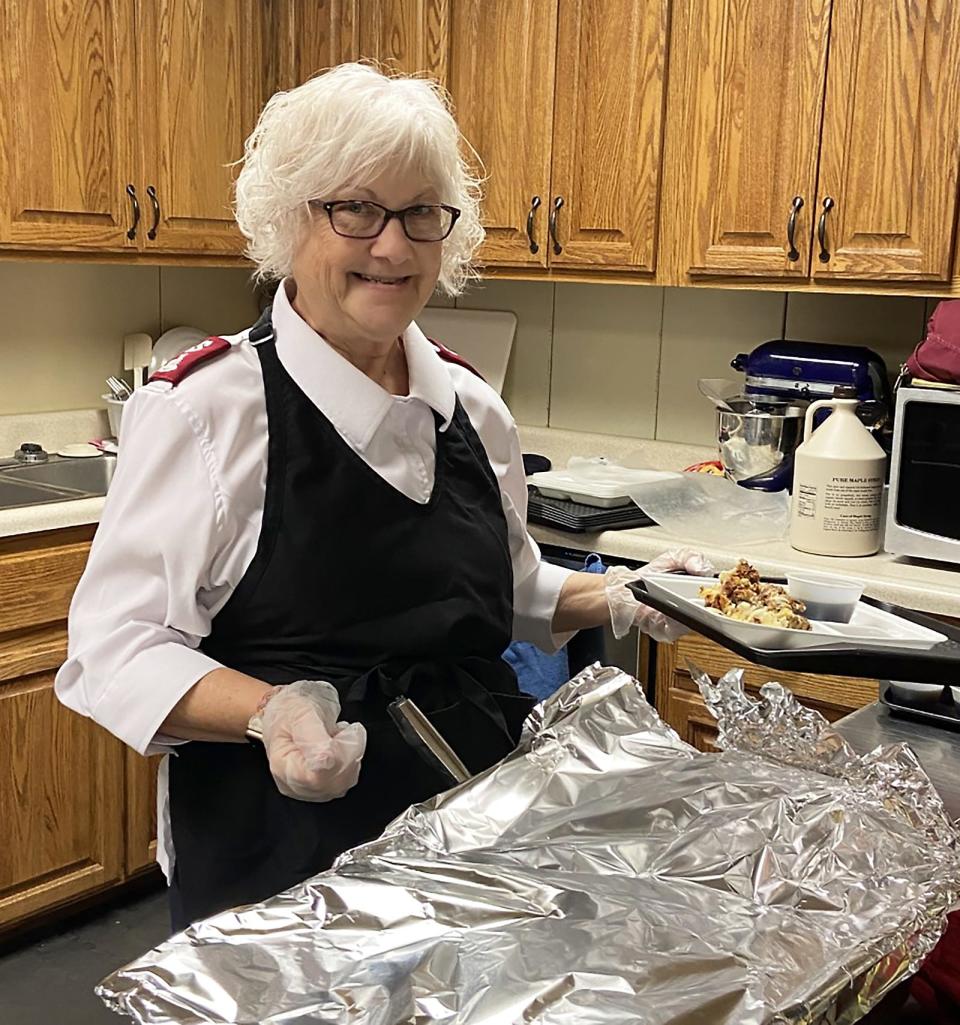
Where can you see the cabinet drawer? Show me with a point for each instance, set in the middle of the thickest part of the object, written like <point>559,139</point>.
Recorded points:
<point>841,692</point>
<point>36,584</point>
<point>678,698</point>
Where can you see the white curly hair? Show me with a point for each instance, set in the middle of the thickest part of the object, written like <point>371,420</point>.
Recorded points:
<point>346,126</point>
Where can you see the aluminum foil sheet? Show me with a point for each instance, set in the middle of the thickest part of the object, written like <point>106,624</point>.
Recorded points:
<point>603,873</point>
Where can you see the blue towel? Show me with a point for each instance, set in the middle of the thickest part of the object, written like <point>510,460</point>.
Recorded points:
<point>539,673</point>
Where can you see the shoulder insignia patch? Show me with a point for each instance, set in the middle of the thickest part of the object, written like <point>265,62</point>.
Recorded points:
<point>449,356</point>
<point>177,367</point>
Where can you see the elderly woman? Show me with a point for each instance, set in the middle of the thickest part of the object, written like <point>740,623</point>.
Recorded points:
<point>318,515</point>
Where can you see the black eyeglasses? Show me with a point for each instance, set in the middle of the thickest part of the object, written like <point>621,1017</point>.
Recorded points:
<point>359,218</point>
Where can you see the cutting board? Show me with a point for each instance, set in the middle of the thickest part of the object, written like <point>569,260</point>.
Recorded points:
<point>483,337</point>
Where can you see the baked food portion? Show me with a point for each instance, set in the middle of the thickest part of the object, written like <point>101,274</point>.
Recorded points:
<point>741,595</point>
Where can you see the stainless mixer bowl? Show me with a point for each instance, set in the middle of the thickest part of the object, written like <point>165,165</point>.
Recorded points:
<point>758,440</point>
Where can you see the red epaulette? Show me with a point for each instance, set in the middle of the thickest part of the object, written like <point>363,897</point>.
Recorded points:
<point>449,356</point>
<point>177,367</point>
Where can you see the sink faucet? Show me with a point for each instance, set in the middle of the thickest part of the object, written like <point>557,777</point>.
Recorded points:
<point>30,452</point>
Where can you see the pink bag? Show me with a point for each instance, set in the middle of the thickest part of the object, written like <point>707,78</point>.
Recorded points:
<point>937,357</point>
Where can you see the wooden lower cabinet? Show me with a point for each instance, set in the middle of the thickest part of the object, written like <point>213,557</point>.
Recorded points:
<point>678,698</point>
<point>61,802</point>
<point>141,807</point>
<point>76,805</point>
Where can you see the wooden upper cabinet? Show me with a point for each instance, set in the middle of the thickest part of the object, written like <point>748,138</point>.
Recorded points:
<point>201,86</point>
<point>68,122</point>
<point>501,78</point>
<point>744,135</point>
<point>891,146</point>
<point>608,131</point>
<point>303,39</point>
<point>412,36</point>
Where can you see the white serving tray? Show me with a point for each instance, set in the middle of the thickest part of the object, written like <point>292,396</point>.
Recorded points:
<point>868,625</point>
<point>599,484</point>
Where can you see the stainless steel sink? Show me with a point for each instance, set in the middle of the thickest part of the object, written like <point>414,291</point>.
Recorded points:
<point>92,476</point>
<point>57,480</point>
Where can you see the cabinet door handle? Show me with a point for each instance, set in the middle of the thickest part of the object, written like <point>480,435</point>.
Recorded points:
<point>828,205</point>
<point>557,203</point>
<point>132,193</point>
<point>795,208</point>
<point>152,193</point>
<point>534,207</point>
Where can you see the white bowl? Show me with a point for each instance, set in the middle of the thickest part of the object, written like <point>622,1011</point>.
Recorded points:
<point>828,599</point>
<point>114,414</point>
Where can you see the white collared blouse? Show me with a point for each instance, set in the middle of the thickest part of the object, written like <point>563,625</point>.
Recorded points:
<point>181,522</point>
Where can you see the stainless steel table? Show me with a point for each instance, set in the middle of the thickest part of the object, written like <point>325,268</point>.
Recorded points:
<point>938,749</point>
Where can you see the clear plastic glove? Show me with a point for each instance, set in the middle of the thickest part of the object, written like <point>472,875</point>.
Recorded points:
<point>312,756</point>
<point>627,612</point>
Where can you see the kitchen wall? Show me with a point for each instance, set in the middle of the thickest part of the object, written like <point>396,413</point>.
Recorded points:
<point>63,324</point>
<point>614,359</point>
<point>619,359</point>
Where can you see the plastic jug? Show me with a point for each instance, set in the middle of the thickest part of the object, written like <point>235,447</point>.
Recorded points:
<point>838,479</point>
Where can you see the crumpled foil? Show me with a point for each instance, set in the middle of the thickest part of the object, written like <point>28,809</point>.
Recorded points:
<point>605,872</point>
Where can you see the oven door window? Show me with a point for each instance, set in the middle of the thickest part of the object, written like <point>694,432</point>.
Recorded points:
<point>929,487</point>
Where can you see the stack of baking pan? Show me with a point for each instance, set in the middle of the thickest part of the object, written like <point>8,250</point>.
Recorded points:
<point>578,517</point>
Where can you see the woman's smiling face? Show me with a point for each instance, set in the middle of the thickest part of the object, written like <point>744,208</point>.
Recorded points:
<point>358,292</point>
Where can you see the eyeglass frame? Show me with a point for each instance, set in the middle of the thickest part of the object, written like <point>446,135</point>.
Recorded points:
<point>328,205</point>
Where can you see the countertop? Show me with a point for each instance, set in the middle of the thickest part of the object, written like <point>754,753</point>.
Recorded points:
<point>912,583</point>
<point>938,749</point>
<point>923,586</point>
<point>52,430</point>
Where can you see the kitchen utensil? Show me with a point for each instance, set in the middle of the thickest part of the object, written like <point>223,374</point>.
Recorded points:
<point>424,737</point>
<point>718,390</point>
<point>924,695</point>
<point>136,355</point>
<point>114,413</point>
<point>832,599</point>
<point>121,390</point>
<point>484,338</point>
<point>756,447</point>
<point>934,704</point>
<point>171,343</point>
<point>837,483</point>
<point>577,517</point>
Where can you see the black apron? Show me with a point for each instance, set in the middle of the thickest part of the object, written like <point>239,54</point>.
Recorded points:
<point>354,583</point>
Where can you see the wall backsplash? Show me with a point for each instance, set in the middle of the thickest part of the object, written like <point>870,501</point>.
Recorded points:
<point>612,359</point>
<point>626,359</point>
<point>64,323</point>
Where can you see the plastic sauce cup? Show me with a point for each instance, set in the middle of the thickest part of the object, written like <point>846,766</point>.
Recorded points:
<point>828,599</point>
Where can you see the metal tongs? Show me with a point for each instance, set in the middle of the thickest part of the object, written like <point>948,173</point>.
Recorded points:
<point>422,735</point>
<point>416,729</point>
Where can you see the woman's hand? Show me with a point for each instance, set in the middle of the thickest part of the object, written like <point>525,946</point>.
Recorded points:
<point>312,756</point>
<point>626,611</point>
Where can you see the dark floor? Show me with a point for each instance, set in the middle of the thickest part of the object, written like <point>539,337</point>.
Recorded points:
<point>50,981</point>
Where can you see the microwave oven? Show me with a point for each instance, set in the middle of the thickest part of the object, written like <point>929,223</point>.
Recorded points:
<point>923,509</point>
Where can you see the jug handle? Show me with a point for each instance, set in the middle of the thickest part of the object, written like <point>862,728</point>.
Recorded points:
<point>811,409</point>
